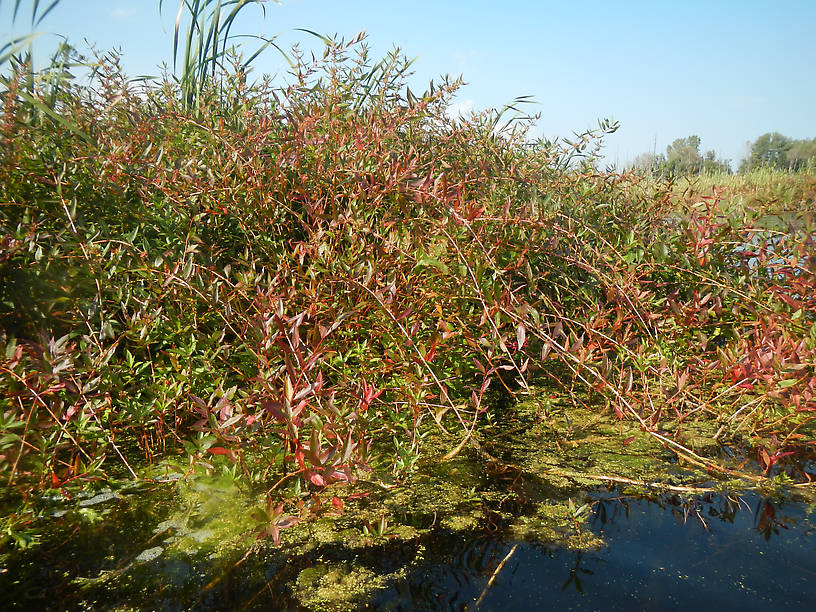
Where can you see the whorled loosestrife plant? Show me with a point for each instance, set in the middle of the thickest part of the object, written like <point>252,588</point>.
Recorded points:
<point>292,289</point>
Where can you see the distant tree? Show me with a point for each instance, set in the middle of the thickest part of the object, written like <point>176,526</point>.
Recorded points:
<point>649,163</point>
<point>712,165</point>
<point>770,149</point>
<point>682,158</point>
<point>802,153</point>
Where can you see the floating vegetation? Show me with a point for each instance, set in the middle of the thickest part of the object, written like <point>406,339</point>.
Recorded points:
<point>193,539</point>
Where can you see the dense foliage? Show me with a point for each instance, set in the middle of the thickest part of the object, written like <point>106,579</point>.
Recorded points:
<point>297,278</point>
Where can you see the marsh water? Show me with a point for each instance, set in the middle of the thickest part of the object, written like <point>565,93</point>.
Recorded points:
<point>655,557</point>
<point>726,551</point>
<point>518,530</point>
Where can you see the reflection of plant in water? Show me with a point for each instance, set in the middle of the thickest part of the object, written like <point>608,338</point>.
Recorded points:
<point>608,510</point>
<point>575,573</point>
<point>766,521</point>
<point>722,506</point>
<point>725,507</point>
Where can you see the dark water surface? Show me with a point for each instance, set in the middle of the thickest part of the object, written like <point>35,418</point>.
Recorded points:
<point>721,552</point>
<point>749,554</point>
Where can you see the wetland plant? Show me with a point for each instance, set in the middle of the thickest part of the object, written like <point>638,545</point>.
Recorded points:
<point>295,281</point>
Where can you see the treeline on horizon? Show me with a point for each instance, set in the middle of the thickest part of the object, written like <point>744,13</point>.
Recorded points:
<point>771,150</point>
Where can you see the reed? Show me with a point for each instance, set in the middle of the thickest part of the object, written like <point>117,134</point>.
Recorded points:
<point>200,50</point>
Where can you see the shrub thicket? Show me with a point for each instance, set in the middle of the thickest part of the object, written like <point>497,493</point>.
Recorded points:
<point>288,275</point>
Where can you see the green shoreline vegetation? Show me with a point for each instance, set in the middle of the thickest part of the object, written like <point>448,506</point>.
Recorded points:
<point>332,292</point>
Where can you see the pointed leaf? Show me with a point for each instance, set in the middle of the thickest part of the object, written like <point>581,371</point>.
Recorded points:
<point>521,335</point>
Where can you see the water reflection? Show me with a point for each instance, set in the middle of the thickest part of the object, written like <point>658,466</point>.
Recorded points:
<point>727,551</point>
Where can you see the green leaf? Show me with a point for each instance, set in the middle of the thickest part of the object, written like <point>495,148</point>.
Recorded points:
<point>63,121</point>
<point>431,262</point>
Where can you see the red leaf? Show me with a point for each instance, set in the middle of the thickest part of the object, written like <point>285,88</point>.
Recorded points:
<point>338,475</point>
<point>765,458</point>
<point>317,479</point>
<point>220,450</point>
<point>275,409</point>
<point>275,533</point>
<point>299,456</point>
<point>629,440</point>
<point>403,314</point>
<point>287,521</point>
<point>681,379</point>
<point>337,502</point>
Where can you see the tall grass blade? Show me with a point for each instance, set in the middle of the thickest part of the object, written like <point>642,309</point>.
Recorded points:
<point>14,46</point>
<point>54,115</point>
<point>36,16</point>
<point>35,20</point>
<point>205,42</point>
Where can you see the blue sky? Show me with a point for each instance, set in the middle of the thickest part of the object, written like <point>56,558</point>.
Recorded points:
<point>725,70</point>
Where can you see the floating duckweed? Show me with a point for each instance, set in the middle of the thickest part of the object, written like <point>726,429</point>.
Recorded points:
<point>515,484</point>
<point>338,586</point>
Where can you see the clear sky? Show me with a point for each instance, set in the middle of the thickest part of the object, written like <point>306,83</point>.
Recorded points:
<point>725,70</point>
